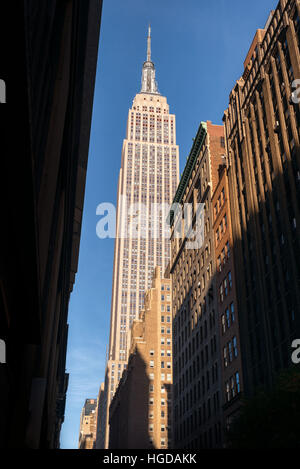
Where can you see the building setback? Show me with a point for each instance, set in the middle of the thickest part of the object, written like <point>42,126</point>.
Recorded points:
<point>140,412</point>
<point>51,66</point>
<point>88,425</point>
<point>228,315</point>
<point>196,347</point>
<point>148,176</point>
<point>262,126</point>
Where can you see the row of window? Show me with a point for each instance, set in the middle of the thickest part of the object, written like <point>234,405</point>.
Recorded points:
<point>221,230</point>
<point>162,353</point>
<point>162,376</point>
<point>223,257</point>
<point>225,287</point>
<point>219,203</point>
<point>228,318</point>
<point>162,364</point>
<point>232,387</point>
<point>230,351</point>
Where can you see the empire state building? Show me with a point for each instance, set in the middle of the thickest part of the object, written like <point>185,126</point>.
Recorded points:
<point>149,175</point>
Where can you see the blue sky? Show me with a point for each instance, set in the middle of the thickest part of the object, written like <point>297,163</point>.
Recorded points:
<point>198,48</point>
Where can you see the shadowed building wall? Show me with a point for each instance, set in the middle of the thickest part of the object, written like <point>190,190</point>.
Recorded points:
<point>197,371</point>
<point>51,68</point>
<point>262,126</point>
<point>140,412</point>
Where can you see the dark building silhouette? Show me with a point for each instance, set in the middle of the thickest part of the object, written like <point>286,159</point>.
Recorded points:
<point>49,69</point>
<point>262,125</point>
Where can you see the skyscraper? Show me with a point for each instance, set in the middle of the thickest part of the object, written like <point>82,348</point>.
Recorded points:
<point>148,176</point>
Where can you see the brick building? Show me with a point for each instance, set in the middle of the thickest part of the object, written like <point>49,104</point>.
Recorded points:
<point>228,317</point>
<point>197,372</point>
<point>88,425</point>
<point>140,412</point>
<point>262,125</point>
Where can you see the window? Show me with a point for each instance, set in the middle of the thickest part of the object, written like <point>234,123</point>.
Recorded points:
<point>151,401</point>
<point>232,383</point>
<point>151,364</point>
<point>168,364</point>
<point>162,365</point>
<point>169,377</point>
<point>230,280</point>
<point>151,428</point>
<point>168,341</point>
<point>225,357</point>
<point>232,312</point>
<point>227,387</point>
<point>235,350</point>
<point>227,318</point>
<point>151,375</point>
<point>162,377</point>
<point>223,323</point>
<point>225,287</point>
<point>162,353</point>
<point>221,293</point>
<point>237,380</point>
<point>162,319</point>
<point>152,353</point>
<point>163,401</point>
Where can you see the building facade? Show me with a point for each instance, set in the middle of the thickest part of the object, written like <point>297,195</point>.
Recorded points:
<point>196,343</point>
<point>148,178</point>
<point>262,125</point>
<point>88,425</point>
<point>100,432</point>
<point>228,315</point>
<point>141,411</point>
<point>45,134</point>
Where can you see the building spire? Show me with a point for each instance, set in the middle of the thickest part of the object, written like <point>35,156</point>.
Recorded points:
<point>149,44</point>
<point>149,84</point>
